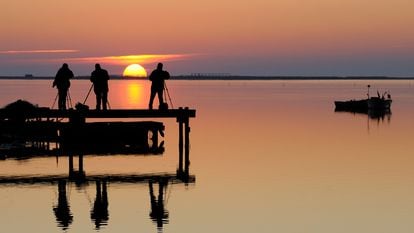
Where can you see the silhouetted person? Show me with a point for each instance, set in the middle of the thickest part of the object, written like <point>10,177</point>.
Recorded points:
<point>157,78</point>
<point>100,213</point>
<point>62,211</point>
<point>158,213</point>
<point>99,78</point>
<point>62,83</point>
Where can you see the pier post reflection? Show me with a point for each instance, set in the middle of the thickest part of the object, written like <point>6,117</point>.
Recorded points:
<point>183,169</point>
<point>79,176</point>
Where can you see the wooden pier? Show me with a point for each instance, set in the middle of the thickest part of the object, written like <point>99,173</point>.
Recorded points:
<point>77,134</point>
<point>55,120</point>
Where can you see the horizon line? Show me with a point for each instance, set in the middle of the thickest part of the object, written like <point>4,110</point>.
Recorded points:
<point>228,77</point>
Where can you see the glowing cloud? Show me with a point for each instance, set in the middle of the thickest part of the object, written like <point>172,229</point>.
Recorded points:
<point>39,51</point>
<point>130,59</point>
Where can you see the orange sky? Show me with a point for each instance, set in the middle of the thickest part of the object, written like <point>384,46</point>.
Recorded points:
<point>263,37</point>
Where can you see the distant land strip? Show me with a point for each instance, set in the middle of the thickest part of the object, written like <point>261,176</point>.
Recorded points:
<point>209,77</point>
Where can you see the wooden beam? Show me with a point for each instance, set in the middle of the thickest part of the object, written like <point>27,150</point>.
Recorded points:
<point>113,113</point>
<point>127,178</point>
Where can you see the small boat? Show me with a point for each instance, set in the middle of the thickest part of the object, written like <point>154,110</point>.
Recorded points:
<point>373,103</point>
<point>351,105</point>
<point>379,103</point>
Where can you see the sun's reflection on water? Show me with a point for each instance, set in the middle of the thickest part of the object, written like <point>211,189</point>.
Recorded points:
<point>135,93</point>
<point>131,94</point>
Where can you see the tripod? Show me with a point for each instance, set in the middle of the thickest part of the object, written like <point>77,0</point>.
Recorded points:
<point>167,93</point>
<point>89,92</point>
<point>53,105</point>
<point>69,100</point>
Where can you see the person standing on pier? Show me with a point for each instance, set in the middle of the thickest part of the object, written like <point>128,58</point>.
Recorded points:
<point>157,77</point>
<point>62,83</point>
<point>99,78</point>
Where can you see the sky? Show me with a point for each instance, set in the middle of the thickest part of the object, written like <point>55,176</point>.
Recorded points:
<point>235,37</point>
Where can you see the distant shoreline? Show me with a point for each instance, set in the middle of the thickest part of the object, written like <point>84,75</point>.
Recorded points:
<point>246,78</point>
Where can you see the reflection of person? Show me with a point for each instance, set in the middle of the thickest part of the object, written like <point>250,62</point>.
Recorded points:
<point>62,209</point>
<point>62,83</point>
<point>99,78</point>
<point>99,212</point>
<point>158,213</point>
<point>157,78</point>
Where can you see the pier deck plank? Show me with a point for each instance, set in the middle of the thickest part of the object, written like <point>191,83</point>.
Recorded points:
<point>112,113</point>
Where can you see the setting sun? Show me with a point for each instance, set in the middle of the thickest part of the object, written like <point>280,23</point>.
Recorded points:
<point>135,70</point>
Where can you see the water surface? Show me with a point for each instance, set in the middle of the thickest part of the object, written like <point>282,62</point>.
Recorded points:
<point>268,156</point>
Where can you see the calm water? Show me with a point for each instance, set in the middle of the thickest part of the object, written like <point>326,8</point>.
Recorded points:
<point>268,156</point>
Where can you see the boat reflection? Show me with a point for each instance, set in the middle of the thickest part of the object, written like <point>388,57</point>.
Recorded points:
<point>379,116</point>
